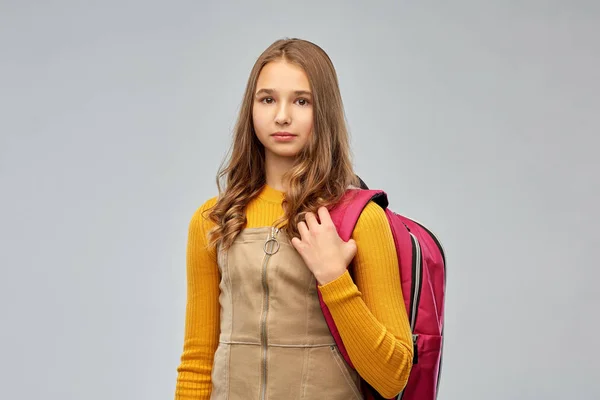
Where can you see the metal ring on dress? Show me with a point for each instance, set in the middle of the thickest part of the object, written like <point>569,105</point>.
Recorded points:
<point>273,251</point>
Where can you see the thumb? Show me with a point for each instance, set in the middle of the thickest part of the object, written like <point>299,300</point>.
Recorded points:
<point>352,243</point>
<point>350,249</point>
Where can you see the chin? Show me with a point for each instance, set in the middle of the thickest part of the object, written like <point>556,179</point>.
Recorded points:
<point>290,154</point>
<point>287,155</point>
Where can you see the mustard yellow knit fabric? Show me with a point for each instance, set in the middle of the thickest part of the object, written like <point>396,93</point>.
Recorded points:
<point>368,307</point>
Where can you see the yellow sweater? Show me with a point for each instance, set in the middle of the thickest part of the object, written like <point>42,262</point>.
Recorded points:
<point>368,310</point>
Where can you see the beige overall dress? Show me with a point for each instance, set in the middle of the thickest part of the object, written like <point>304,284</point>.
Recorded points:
<point>274,342</point>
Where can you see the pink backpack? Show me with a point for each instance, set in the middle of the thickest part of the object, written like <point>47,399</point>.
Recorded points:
<point>423,277</point>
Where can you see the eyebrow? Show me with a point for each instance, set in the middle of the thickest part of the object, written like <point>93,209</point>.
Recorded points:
<point>296,92</point>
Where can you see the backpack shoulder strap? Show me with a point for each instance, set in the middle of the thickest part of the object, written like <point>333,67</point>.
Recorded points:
<point>346,212</point>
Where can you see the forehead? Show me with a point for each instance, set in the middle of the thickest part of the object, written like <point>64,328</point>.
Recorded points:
<point>282,76</point>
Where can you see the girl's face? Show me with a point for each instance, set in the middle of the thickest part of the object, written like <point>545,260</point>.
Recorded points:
<point>283,110</point>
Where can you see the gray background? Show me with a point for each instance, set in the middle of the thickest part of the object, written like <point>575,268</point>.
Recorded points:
<point>478,118</point>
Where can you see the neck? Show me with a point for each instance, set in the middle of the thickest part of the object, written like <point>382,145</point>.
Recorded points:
<point>275,169</point>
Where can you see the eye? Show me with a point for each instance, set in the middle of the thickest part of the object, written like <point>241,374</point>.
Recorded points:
<point>302,102</point>
<point>267,100</point>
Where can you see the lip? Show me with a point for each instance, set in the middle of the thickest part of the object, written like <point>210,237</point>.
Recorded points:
<point>283,137</point>
<point>283,134</point>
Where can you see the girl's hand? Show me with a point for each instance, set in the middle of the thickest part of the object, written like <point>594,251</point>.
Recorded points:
<point>322,249</point>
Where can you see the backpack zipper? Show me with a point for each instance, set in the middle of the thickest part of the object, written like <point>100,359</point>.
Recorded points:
<point>417,272</point>
<point>443,252</point>
<point>416,281</point>
<point>433,235</point>
<point>270,247</point>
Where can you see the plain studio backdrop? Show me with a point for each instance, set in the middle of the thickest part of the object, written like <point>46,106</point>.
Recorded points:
<point>479,119</point>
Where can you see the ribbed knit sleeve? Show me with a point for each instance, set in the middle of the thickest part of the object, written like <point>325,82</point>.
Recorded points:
<point>202,312</point>
<point>369,312</point>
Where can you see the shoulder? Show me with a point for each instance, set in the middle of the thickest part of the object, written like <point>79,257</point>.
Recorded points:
<point>372,232</point>
<point>200,215</point>
<point>376,250</point>
<point>208,204</point>
<point>372,217</point>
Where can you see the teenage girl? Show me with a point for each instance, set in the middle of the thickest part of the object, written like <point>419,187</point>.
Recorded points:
<point>254,328</point>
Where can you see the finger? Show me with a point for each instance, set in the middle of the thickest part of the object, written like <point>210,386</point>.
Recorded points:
<point>303,230</point>
<point>324,216</point>
<point>311,221</point>
<point>296,243</point>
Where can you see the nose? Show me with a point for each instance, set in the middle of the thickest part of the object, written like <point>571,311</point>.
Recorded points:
<point>283,116</point>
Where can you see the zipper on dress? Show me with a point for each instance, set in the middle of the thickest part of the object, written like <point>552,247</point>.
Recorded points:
<point>270,247</point>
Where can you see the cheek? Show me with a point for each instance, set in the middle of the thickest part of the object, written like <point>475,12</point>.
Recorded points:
<point>258,120</point>
<point>307,122</point>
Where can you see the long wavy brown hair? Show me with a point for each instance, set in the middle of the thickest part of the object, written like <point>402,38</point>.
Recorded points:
<point>323,169</point>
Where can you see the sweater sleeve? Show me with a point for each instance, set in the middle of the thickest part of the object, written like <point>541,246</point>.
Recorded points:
<point>202,312</point>
<point>370,315</point>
